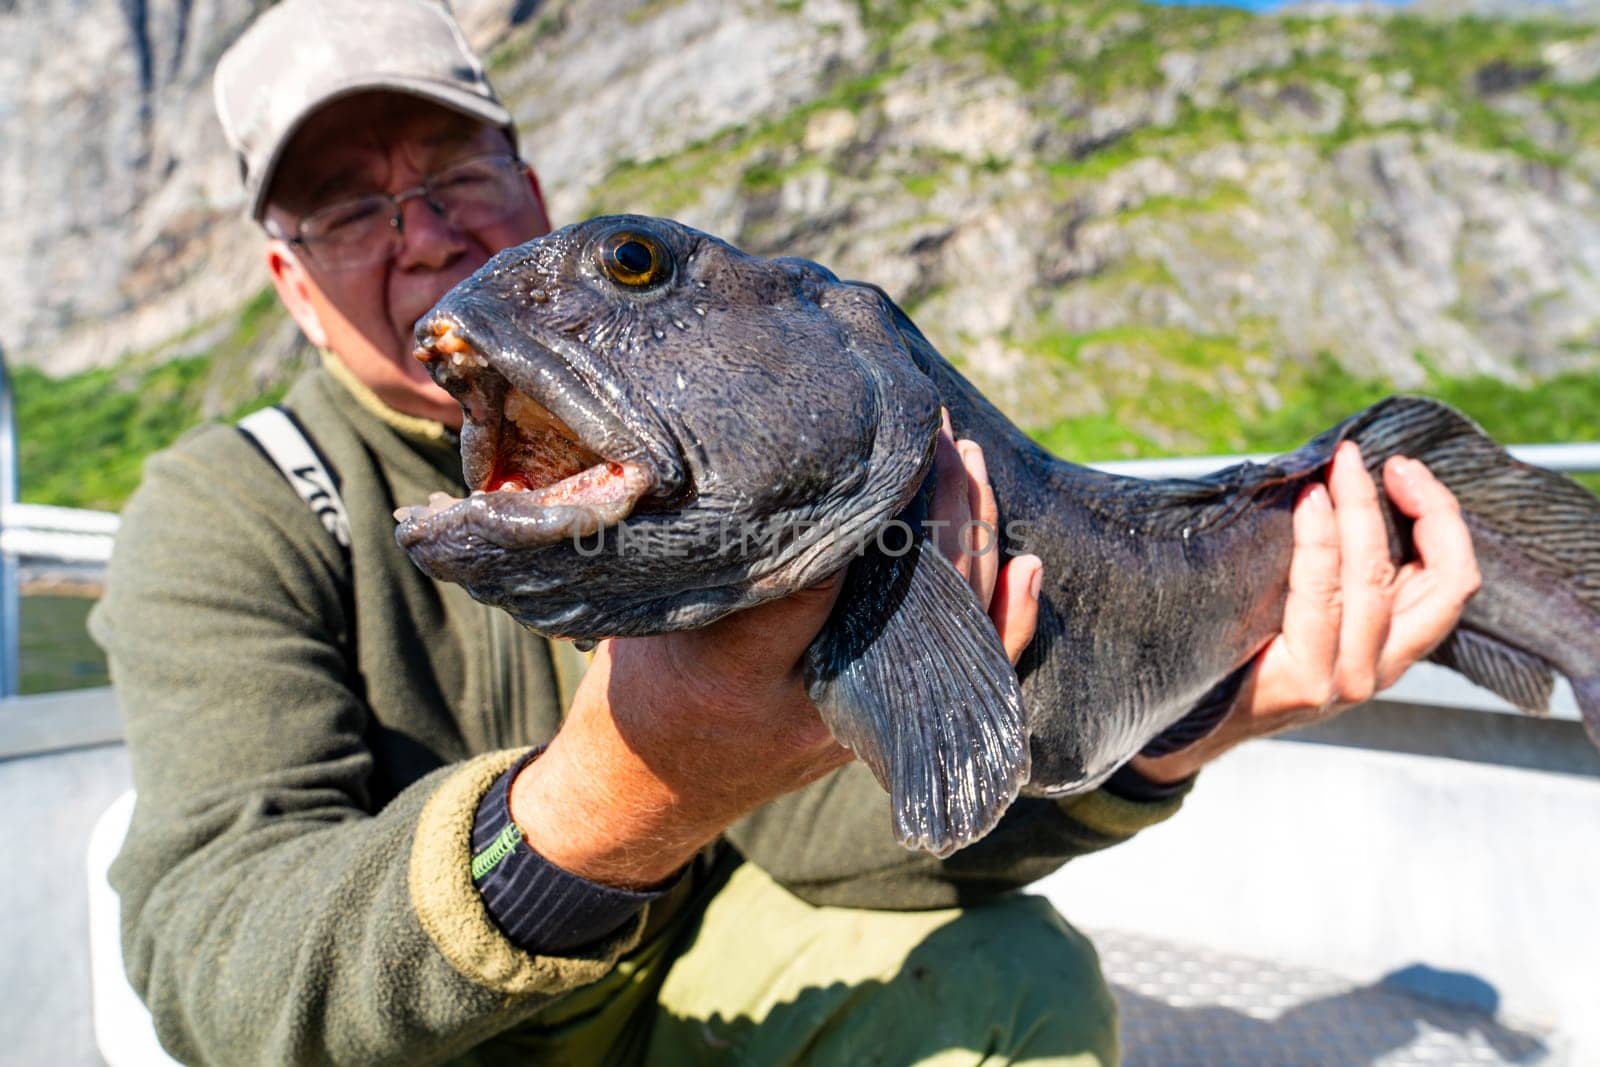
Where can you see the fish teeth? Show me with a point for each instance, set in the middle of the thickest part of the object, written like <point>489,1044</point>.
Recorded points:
<point>437,502</point>
<point>449,341</point>
<point>446,342</point>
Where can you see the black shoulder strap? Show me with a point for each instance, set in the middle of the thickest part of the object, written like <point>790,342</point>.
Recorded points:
<point>282,439</point>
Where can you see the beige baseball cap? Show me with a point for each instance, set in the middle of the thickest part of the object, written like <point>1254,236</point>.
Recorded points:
<point>301,55</point>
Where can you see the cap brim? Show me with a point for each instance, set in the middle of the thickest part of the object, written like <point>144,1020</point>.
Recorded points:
<point>456,99</point>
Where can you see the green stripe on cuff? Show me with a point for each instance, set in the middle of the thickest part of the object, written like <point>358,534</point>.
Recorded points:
<point>498,849</point>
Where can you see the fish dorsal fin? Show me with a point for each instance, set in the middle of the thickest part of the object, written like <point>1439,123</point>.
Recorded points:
<point>1522,678</point>
<point>1172,507</point>
<point>911,676</point>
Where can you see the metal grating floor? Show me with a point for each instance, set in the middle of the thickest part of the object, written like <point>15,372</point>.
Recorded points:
<point>1183,1005</point>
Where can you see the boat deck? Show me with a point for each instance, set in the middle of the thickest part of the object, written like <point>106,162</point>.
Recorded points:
<point>1449,925</point>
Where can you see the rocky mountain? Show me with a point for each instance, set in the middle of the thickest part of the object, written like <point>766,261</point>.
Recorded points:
<point>1144,219</point>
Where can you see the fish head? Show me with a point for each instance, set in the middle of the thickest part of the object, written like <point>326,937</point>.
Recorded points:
<point>660,429</point>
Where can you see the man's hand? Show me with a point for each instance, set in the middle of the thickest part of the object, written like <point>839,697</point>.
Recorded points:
<point>672,738</point>
<point>1353,622</point>
<point>961,493</point>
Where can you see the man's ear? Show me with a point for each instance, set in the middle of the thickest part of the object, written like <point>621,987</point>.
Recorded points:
<point>294,288</point>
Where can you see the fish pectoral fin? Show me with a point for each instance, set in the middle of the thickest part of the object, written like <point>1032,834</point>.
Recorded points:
<point>910,674</point>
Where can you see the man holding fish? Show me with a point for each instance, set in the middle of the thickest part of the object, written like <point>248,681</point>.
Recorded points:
<point>377,822</point>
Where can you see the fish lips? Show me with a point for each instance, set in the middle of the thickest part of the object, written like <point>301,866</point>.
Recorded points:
<point>484,364</point>
<point>518,520</point>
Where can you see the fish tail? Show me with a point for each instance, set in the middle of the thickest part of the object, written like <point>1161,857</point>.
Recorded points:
<point>1537,537</point>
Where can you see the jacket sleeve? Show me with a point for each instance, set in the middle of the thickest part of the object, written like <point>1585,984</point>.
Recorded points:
<point>270,915</point>
<point>831,843</point>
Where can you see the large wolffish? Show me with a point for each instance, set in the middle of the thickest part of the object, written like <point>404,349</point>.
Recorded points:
<point>651,414</point>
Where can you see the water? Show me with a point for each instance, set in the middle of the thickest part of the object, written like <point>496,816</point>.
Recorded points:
<point>55,650</point>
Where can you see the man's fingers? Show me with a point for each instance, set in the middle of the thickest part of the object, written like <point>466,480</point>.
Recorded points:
<point>981,534</point>
<point>1015,608</point>
<point>1367,575</point>
<point>1312,612</point>
<point>964,518</point>
<point>950,510</point>
<point>1430,594</point>
<point>1442,540</point>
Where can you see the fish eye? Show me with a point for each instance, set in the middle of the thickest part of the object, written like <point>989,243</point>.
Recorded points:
<point>633,259</point>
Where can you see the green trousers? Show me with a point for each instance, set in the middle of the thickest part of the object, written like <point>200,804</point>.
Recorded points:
<point>761,977</point>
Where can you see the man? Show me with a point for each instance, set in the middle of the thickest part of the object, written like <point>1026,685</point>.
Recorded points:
<point>342,851</point>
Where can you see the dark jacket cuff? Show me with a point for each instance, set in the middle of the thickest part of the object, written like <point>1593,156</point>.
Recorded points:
<point>1202,719</point>
<point>540,908</point>
<point>1128,784</point>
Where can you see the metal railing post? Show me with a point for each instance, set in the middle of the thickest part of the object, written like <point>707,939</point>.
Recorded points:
<point>10,629</point>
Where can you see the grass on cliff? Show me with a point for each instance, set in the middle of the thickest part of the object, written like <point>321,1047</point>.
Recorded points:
<point>82,439</point>
<point>1170,409</point>
<point>1485,83</point>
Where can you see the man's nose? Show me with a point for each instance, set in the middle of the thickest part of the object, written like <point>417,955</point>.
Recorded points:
<point>428,241</point>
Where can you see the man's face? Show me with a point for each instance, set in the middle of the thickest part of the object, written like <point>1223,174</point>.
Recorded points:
<point>385,142</point>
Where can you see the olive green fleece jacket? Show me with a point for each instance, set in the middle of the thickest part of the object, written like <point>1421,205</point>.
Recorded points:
<point>311,733</point>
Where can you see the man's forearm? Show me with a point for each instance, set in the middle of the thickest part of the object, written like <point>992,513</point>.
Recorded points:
<point>594,808</point>
<point>647,769</point>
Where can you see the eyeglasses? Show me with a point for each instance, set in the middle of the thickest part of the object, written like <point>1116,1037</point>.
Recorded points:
<point>370,229</point>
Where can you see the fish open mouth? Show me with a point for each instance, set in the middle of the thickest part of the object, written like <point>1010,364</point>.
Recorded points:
<point>534,478</point>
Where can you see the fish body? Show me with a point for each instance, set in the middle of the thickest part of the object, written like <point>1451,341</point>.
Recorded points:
<point>661,429</point>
